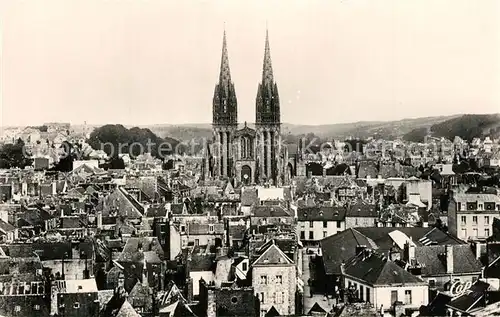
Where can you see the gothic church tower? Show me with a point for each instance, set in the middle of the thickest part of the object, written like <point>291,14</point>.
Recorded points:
<point>225,119</point>
<point>267,122</point>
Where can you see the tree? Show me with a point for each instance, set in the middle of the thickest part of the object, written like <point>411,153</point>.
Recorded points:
<point>14,155</point>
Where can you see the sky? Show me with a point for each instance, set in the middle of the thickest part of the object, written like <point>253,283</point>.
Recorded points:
<point>140,62</point>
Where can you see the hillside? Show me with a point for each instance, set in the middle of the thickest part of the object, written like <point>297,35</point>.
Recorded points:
<point>115,139</point>
<point>363,129</point>
<point>466,126</point>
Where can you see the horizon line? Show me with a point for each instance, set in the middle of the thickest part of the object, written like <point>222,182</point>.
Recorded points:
<point>194,124</point>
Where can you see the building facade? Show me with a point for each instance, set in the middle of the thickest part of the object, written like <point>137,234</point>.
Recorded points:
<point>248,155</point>
<point>470,215</point>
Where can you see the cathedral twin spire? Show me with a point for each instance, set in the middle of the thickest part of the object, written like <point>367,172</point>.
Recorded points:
<point>225,104</point>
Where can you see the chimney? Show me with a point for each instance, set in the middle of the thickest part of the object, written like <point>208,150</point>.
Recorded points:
<point>99,220</point>
<point>409,253</point>
<point>211,305</point>
<point>449,259</point>
<point>478,250</point>
<point>139,247</point>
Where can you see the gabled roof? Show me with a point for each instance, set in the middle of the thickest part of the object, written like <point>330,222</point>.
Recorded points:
<point>172,295</point>
<point>322,213</point>
<point>375,269</point>
<point>272,312</point>
<point>177,309</point>
<point>273,256</point>
<point>126,310</point>
<point>340,247</point>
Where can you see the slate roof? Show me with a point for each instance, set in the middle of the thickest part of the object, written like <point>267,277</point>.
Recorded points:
<point>270,211</point>
<point>322,213</point>
<point>139,296</point>
<point>375,269</point>
<point>340,247</point>
<point>131,251</point>
<point>273,256</point>
<point>419,235</point>
<point>464,260</point>
<point>6,227</point>
<point>361,209</point>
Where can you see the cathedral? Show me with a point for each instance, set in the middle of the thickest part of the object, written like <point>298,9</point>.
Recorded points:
<point>247,155</point>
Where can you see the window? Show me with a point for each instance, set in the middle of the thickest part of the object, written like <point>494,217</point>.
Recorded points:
<point>302,235</point>
<point>17,308</point>
<point>211,228</point>
<point>394,297</point>
<point>474,220</point>
<point>472,206</point>
<point>263,312</point>
<point>489,206</point>
<point>196,242</point>
<point>355,222</point>
<point>261,297</point>
<point>407,297</point>
<point>183,229</point>
<point>339,223</point>
<point>459,207</point>
<point>361,289</point>
<point>325,234</point>
<point>244,266</point>
<point>474,232</point>
<point>279,279</point>
<point>367,295</point>
<point>486,220</point>
<point>325,224</point>
<point>464,233</point>
<point>36,307</point>
<point>464,220</point>
<point>76,305</point>
<point>310,224</point>
<point>278,297</point>
<point>263,279</point>
<point>486,232</point>
<point>311,235</point>
<point>234,299</point>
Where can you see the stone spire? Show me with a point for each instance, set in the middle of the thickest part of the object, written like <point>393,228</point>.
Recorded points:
<point>267,70</point>
<point>224,102</point>
<point>225,74</point>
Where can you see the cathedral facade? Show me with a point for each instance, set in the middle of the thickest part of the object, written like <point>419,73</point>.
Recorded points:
<point>247,155</point>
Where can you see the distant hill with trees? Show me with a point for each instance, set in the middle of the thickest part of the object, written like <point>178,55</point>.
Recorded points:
<point>467,127</point>
<point>115,139</point>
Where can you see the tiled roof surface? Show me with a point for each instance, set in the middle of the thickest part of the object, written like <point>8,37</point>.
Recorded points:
<point>375,269</point>
<point>464,260</point>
